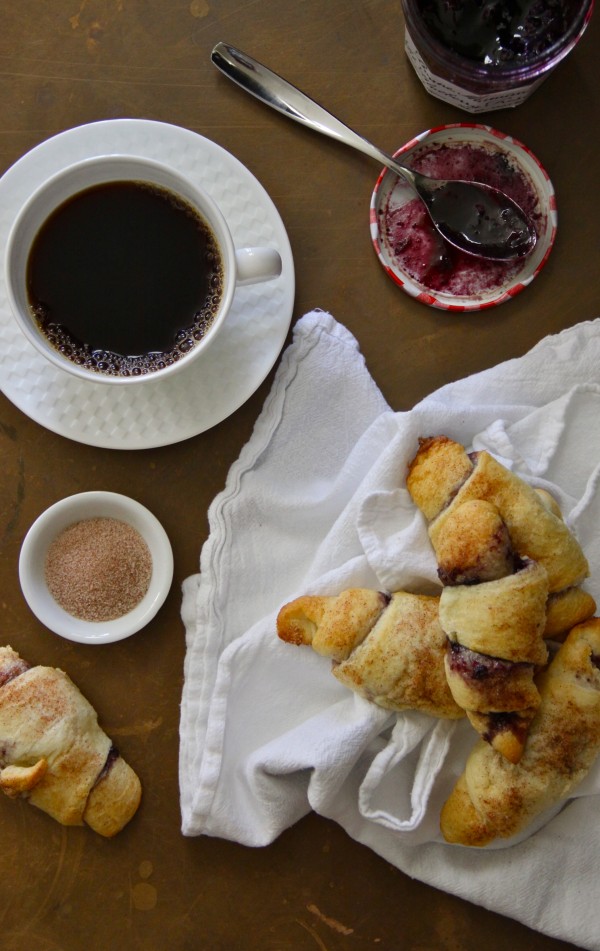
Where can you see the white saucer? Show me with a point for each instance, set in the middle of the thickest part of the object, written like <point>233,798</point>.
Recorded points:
<point>234,366</point>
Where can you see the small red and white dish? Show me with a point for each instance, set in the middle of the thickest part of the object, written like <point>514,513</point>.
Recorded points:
<point>418,260</point>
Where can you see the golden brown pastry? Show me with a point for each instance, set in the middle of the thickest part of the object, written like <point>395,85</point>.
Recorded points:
<point>54,753</point>
<point>494,798</point>
<point>565,609</point>
<point>572,605</point>
<point>335,625</point>
<point>511,571</point>
<point>388,648</point>
<point>493,611</point>
<point>443,476</point>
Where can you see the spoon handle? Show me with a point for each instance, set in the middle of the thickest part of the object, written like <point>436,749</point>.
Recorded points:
<point>287,99</point>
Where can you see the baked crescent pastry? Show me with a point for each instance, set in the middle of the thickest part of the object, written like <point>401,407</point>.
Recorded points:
<point>387,648</point>
<point>493,611</point>
<point>494,798</point>
<point>54,753</point>
<point>443,476</point>
<point>565,609</point>
<point>511,571</point>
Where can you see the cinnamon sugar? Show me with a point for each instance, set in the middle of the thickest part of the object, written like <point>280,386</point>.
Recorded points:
<point>98,569</point>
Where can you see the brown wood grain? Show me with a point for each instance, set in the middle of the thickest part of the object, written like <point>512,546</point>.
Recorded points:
<point>69,62</point>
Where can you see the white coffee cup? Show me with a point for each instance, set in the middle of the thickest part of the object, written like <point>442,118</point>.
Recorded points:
<point>240,266</point>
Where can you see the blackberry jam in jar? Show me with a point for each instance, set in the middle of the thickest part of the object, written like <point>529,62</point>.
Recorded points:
<point>486,54</point>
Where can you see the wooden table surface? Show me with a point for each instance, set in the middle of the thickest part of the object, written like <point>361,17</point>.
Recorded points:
<point>70,62</point>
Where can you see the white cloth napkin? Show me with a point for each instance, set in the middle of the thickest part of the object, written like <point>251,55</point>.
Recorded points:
<point>316,503</point>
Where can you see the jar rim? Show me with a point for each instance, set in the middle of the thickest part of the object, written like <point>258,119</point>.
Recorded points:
<point>502,72</point>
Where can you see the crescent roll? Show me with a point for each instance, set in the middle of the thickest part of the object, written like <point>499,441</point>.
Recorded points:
<point>443,476</point>
<point>494,798</point>
<point>54,753</point>
<point>387,648</point>
<point>493,611</point>
<point>511,571</point>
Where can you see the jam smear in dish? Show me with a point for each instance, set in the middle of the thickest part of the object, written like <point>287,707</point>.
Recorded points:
<point>416,245</point>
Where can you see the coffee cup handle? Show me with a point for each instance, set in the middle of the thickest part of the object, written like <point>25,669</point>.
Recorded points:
<point>254,265</point>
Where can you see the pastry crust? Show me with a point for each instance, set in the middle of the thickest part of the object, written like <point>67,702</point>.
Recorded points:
<point>332,625</point>
<point>566,609</point>
<point>474,545</point>
<point>54,752</point>
<point>511,571</point>
<point>113,800</point>
<point>493,611</point>
<point>503,618</point>
<point>494,798</point>
<point>400,665</point>
<point>437,472</point>
<point>535,530</point>
<point>388,649</point>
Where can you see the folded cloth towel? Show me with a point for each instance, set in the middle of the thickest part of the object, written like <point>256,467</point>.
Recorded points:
<point>316,503</point>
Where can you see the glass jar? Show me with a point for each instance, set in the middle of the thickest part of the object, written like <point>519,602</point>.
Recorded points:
<point>472,84</point>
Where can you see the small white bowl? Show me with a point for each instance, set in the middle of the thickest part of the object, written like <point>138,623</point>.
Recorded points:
<point>391,195</point>
<point>54,520</point>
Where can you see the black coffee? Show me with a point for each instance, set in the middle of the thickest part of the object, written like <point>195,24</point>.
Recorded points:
<point>124,278</point>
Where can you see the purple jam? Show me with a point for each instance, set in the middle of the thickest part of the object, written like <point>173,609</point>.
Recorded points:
<point>13,670</point>
<point>417,247</point>
<point>501,722</point>
<point>471,665</point>
<point>495,33</point>
<point>111,757</point>
<point>474,666</point>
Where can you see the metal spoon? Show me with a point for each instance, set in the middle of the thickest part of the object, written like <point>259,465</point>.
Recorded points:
<point>474,217</point>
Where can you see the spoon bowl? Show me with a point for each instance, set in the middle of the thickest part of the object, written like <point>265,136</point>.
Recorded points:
<point>478,219</point>
<point>475,218</point>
